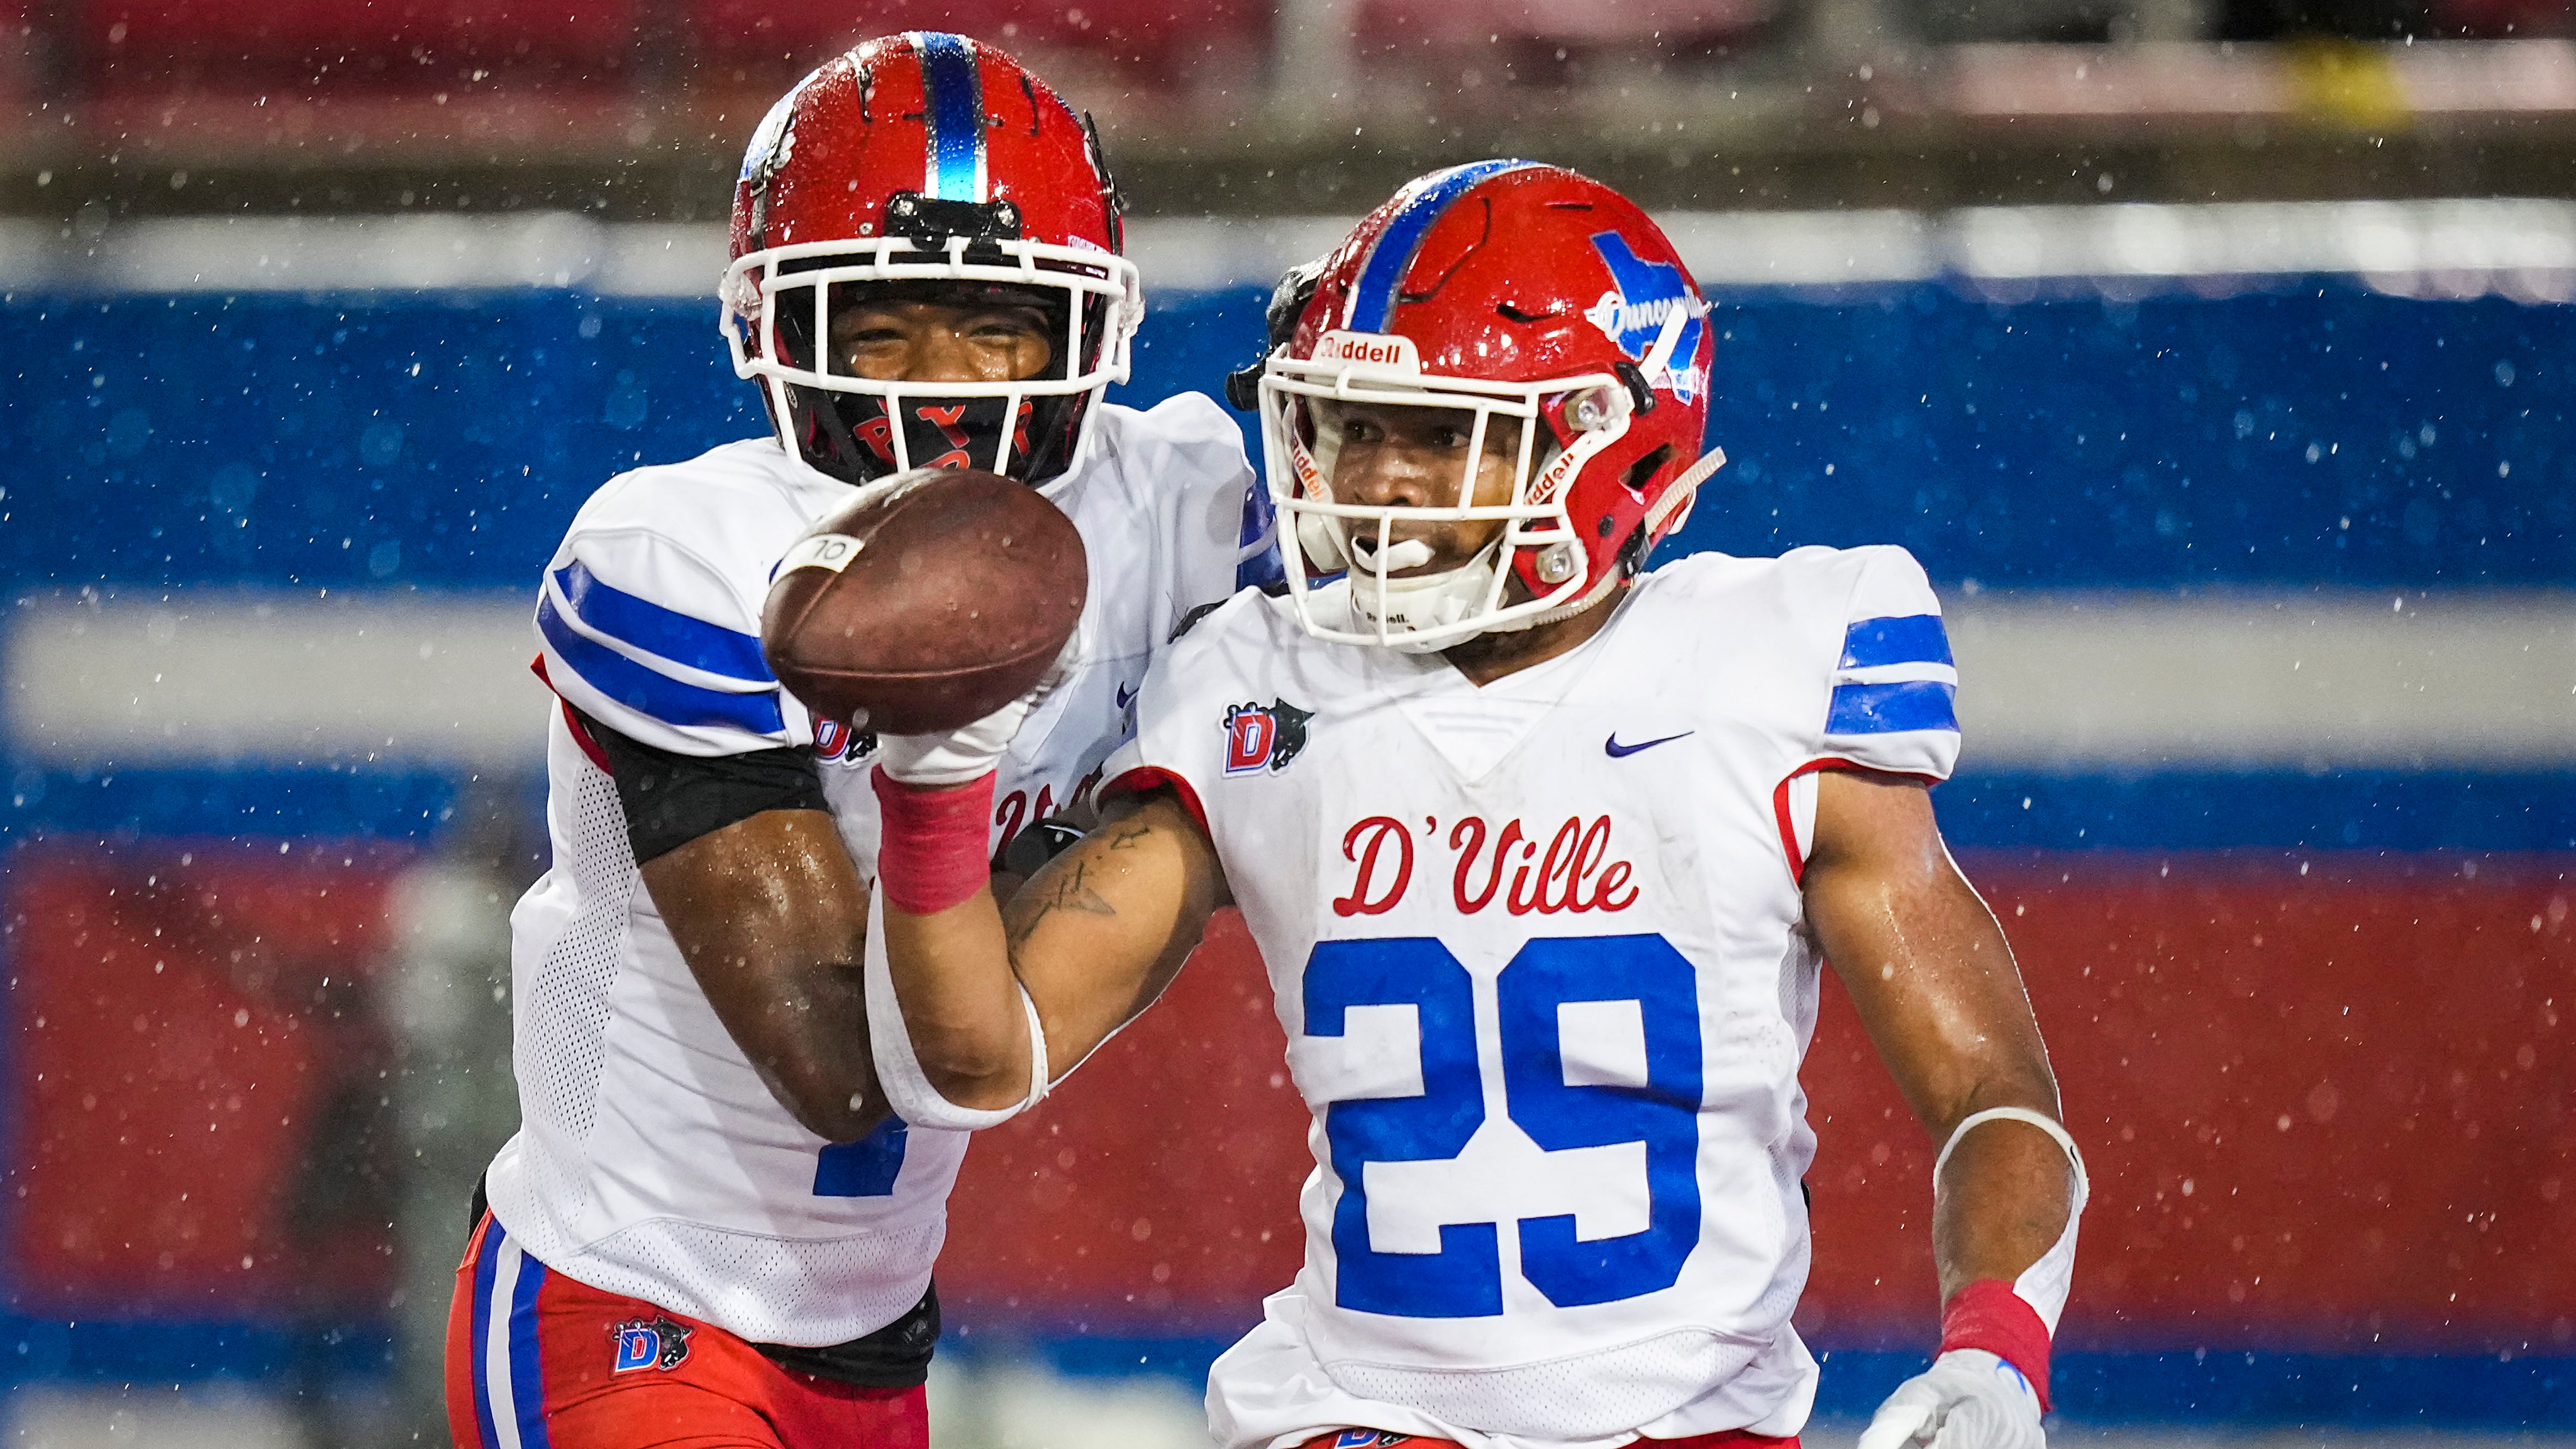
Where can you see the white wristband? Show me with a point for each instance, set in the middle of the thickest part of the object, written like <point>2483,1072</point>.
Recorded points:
<point>899,1075</point>
<point>2044,1284</point>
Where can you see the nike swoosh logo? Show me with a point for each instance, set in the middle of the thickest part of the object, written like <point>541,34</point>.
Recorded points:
<point>1618,751</point>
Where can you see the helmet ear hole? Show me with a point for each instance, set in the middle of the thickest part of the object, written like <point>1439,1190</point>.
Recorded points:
<point>1643,471</point>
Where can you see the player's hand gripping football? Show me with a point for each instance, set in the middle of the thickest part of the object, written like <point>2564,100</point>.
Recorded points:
<point>973,750</point>
<point>1968,1399</point>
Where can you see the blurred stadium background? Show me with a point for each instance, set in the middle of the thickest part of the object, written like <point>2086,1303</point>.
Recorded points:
<point>2214,355</point>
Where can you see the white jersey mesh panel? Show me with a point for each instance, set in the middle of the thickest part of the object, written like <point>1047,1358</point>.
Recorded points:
<point>768,1281</point>
<point>563,1009</point>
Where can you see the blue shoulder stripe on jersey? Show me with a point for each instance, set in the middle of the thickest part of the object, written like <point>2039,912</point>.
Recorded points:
<point>1897,639</point>
<point>655,630</point>
<point>1891,709</point>
<point>1373,298</point>
<point>660,696</point>
<point>953,106</point>
<point>1257,564</point>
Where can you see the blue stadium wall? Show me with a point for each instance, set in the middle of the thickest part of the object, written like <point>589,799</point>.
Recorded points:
<point>2298,1214</point>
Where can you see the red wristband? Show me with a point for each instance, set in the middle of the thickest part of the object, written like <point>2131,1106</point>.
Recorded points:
<point>934,848</point>
<point>1988,1314</point>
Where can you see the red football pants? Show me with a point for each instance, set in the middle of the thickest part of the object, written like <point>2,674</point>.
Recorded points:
<point>1386,1439</point>
<point>538,1361</point>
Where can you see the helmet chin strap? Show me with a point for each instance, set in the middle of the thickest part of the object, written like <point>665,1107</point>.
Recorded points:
<point>1322,540</point>
<point>1601,589</point>
<point>1434,601</point>
<point>1394,608</point>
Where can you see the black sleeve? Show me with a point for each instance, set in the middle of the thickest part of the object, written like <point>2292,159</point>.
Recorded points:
<point>1027,853</point>
<point>673,799</point>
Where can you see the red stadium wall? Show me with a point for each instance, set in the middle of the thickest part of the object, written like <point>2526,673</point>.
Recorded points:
<point>194,1060</point>
<point>2325,1105</point>
<point>2326,1108</point>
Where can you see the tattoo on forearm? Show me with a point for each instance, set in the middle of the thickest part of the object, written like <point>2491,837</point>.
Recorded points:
<point>1067,887</point>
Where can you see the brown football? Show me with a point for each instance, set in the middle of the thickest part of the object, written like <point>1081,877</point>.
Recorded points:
<point>925,603</point>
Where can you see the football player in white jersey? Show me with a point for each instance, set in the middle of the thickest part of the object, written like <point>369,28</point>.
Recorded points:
<point>708,1230</point>
<point>1545,851</point>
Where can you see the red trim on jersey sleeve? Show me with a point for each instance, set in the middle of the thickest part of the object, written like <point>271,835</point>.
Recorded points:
<point>1988,1314</point>
<point>1147,777</point>
<point>572,721</point>
<point>1789,826</point>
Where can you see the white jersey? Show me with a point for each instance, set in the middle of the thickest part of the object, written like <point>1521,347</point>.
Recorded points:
<point>651,1160</point>
<point>1537,949</point>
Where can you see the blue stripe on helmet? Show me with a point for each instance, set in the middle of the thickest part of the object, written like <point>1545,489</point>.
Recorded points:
<point>1373,300</point>
<point>953,107</point>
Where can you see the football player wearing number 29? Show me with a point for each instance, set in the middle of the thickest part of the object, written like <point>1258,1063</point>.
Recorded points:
<point>707,1231</point>
<point>1545,851</point>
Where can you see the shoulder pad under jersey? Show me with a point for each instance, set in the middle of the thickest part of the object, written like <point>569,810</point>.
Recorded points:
<point>649,613</point>
<point>1188,453</point>
<point>1892,705</point>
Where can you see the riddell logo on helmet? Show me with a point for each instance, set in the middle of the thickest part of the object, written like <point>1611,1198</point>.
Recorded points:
<point>1371,349</point>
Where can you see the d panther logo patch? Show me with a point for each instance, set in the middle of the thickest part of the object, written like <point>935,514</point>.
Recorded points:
<point>650,1343</point>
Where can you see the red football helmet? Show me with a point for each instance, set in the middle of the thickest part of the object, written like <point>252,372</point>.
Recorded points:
<point>931,166</point>
<point>1507,289</point>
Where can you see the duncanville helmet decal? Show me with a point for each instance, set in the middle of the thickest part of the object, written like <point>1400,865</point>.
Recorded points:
<point>1642,295</point>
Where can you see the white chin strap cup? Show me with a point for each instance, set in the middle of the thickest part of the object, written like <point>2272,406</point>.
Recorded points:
<point>2042,1285</point>
<point>1409,554</point>
<point>1415,615</point>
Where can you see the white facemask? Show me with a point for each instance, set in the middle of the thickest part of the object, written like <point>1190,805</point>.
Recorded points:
<point>1434,611</point>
